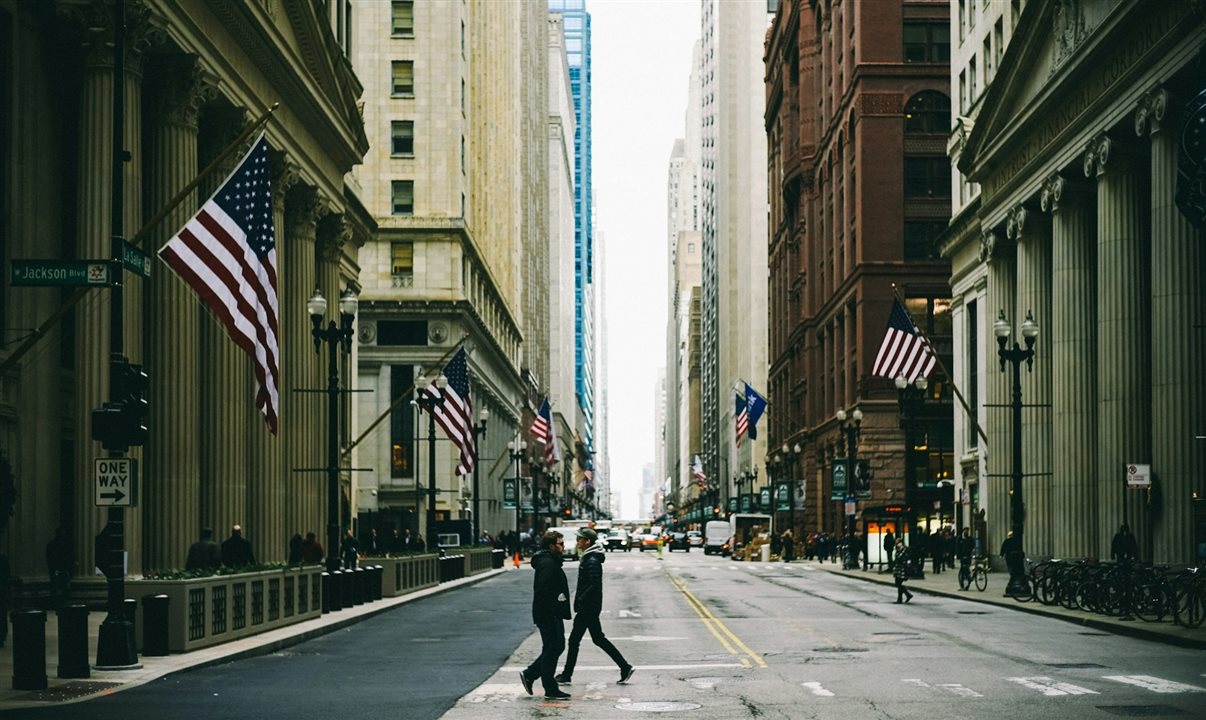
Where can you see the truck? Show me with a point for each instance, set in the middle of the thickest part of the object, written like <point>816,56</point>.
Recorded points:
<point>741,529</point>
<point>716,537</point>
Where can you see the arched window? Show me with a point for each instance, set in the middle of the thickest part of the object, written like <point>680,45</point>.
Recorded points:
<point>928,111</point>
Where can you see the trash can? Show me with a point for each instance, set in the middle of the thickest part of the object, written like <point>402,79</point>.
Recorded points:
<point>73,642</point>
<point>29,650</point>
<point>765,552</point>
<point>497,558</point>
<point>155,625</point>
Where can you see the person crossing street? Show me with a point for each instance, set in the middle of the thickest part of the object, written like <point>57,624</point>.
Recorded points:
<point>550,608</point>
<point>588,605</point>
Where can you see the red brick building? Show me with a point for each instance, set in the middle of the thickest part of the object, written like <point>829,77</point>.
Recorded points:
<point>857,121</point>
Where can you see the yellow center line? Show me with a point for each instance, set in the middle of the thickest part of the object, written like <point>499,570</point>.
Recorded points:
<point>713,624</point>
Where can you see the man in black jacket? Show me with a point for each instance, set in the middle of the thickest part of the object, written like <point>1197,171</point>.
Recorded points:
<point>236,551</point>
<point>550,608</point>
<point>588,604</point>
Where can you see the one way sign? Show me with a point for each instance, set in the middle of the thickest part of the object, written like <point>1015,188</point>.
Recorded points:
<point>116,482</point>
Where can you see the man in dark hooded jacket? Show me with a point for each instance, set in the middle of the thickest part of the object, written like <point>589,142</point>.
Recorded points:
<point>550,610</point>
<point>588,604</point>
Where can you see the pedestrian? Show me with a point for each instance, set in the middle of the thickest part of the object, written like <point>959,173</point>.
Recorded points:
<point>936,551</point>
<point>1124,547</point>
<point>789,546</point>
<point>550,610</point>
<point>901,572</point>
<point>889,546</point>
<point>965,548</point>
<point>1015,558</point>
<point>295,549</point>
<point>588,605</point>
<point>204,554</point>
<point>311,550</point>
<point>418,545</point>
<point>236,551</point>
<point>349,549</point>
<point>60,563</point>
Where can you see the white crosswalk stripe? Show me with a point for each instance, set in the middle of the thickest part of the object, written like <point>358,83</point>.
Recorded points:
<point>1051,687</point>
<point>952,688</point>
<point>816,689</point>
<point>1154,684</point>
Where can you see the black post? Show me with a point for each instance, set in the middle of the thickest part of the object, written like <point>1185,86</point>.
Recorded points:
<point>791,494</point>
<point>851,561</point>
<point>331,337</point>
<point>1017,568</point>
<point>431,475</point>
<point>479,429</point>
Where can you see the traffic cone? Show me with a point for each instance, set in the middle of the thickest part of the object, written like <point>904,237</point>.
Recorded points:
<point>517,559</point>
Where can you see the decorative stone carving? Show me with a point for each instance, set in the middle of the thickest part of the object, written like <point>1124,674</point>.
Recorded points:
<point>96,19</point>
<point>1015,223</point>
<point>1097,155</point>
<point>991,245</point>
<point>305,208</point>
<point>180,87</point>
<point>1150,112</point>
<point>1068,19</point>
<point>334,232</point>
<point>285,174</point>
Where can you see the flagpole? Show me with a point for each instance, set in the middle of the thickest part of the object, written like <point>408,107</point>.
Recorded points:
<point>949,376</point>
<point>180,197</point>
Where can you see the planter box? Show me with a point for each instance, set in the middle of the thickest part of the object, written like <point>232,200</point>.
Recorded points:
<point>212,610</point>
<point>406,573</point>
<point>478,560</point>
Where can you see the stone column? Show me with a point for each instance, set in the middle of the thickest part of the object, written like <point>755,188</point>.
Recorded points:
<point>1072,339</point>
<point>1123,336</point>
<point>1031,233</point>
<point>171,460</point>
<point>1000,255</point>
<point>1178,343</point>
<point>93,240</point>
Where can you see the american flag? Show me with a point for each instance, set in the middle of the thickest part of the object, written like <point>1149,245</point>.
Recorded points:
<point>904,350</point>
<point>227,254</point>
<point>697,470</point>
<point>743,417</point>
<point>544,430</point>
<point>455,414</point>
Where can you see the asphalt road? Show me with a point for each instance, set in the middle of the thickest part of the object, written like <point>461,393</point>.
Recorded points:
<point>712,639</point>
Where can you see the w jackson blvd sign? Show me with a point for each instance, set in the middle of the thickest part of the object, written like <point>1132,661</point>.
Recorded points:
<point>116,482</point>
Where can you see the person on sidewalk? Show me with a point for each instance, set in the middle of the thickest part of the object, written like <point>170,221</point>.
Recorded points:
<point>550,610</point>
<point>204,554</point>
<point>901,572</point>
<point>789,546</point>
<point>349,550</point>
<point>311,549</point>
<point>236,551</point>
<point>966,547</point>
<point>588,604</point>
<point>890,547</point>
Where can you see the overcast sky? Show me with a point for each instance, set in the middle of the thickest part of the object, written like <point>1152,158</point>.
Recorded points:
<point>641,58</point>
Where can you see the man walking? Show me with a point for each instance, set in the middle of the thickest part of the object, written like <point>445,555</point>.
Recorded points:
<point>204,554</point>
<point>550,608</point>
<point>236,551</point>
<point>588,604</point>
<point>901,572</point>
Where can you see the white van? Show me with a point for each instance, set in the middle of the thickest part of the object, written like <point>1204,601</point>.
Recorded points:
<point>716,537</point>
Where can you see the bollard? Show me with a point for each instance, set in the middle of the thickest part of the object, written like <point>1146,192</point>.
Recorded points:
<point>130,607</point>
<point>326,592</point>
<point>358,586</point>
<point>460,566</point>
<point>379,582</point>
<point>347,588</point>
<point>336,591</point>
<point>73,642</point>
<point>29,650</point>
<point>155,624</point>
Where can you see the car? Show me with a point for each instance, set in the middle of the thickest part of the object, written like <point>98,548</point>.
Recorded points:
<point>617,539</point>
<point>679,541</point>
<point>648,542</point>
<point>695,538</point>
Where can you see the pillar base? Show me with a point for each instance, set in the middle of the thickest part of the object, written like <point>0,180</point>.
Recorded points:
<point>115,647</point>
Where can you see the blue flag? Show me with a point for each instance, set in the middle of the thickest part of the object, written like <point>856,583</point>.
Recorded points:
<point>755,405</point>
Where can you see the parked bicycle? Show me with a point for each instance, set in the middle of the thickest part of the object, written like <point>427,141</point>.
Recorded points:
<point>975,573</point>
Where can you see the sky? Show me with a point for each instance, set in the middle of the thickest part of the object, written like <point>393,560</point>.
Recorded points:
<point>641,63</point>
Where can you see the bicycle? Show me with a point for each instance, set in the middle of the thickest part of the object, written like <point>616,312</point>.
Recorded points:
<point>974,572</point>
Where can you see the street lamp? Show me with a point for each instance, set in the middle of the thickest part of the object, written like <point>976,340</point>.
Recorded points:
<point>431,401</point>
<point>478,430</point>
<point>337,337</point>
<point>850,432</point>
<point>516,449</point>
<point>1015,356</point>
<point>789,455</point>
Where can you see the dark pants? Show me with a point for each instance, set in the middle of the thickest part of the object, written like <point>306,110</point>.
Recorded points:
<point>901,590</point>
<point>552,642</point>
<point>583,623</point>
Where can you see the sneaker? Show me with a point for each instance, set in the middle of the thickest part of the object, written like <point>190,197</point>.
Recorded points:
<point>626,673</point>
<point>563,679</point>
<point>908,598</point>
<point>527,682</point>
<point>557,695</point>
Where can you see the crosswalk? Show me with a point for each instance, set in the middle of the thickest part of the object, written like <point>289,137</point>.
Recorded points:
<point>1041,684</point>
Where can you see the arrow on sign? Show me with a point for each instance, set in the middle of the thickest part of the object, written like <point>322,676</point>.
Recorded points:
<point>115,496</point>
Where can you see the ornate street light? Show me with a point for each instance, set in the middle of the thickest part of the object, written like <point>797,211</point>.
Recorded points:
<point>789,455</point>
<point>516,449</point>
<point>430,401</point>
<point>1015,555</point>
<point>850,432</point>
<point>478,430</point>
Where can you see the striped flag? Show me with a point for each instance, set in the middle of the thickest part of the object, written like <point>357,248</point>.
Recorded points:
<point>904,350</point>
<point>544,430</point>
<point>455,414</point>
<point>697,470</point>
<point>227,255</point>
<point>742,410</point>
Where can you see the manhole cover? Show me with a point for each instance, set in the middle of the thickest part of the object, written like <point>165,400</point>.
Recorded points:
<point>658,706</point>
<point>1094,634</point>
<point>705,683</point>
<point>427,639</point>
<point>902,634</point>
<point>971,612</point>
<point>68,691</point>
<point>1074,666</point>
<point>838,650</point>
<point>1141,710</point>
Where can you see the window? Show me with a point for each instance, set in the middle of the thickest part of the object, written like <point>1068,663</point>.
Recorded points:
<point>402,134</point>
<point>404,18</point>
<point>919,239</point>
<point>927,177</point>
<point>927,43</point>
<point>690,247</point>
<point>403,77</point>
<point>402,258</point>
<point>986,53</point>
<point>972,94</point>
<point>403,197</point>
<point>998,38</point>
<point>973,369</point>
<point>401,423</point>
<point>963,91</point>
<point>962,18</point>
<point>928,111</point>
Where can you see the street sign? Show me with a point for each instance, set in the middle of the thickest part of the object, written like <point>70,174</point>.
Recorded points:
<point>782,501</point>
<point>1138,477</point>
<point>135,260</point>
<point>764,499</point>
<point>508,493</point>
<point>849,504</point>
<point>838,488</point>
<point>116,482</point>
<point>732,505</point>
<point>59,272</point>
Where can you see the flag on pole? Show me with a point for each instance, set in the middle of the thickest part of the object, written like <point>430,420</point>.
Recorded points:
<point>697,470</point>
<point>545,430</point>
<point>227,255</point>
<point>742,411</point>
<point>455,414</point>
<point>755,405</point>
<point>904,350</point>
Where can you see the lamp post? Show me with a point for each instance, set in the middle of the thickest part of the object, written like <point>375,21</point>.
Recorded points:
<point>1015,356</point>
<point>337,337</point>
<point>478,430</point>
<point>789,455</point>
<point>850,432</point>
<point>516,449</point>
<point>430,401</point>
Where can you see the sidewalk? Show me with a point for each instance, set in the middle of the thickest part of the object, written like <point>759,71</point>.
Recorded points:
<point>64,691</point>
<point>947,584</point>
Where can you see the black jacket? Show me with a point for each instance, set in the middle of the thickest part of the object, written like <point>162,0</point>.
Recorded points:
<point>588,595</point>
<point>236,552</point>
<point>550,589</point>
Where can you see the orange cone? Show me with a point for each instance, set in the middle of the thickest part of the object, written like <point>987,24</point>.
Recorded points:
<point>516,559</point>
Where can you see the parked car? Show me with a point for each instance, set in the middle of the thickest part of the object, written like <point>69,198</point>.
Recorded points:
<point>618,539</point>
<point>695,538</point>
<point>648,542</point>
<point>679,541</point>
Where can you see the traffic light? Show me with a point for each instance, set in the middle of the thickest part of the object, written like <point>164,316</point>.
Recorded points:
<point>567,512</point>
<point>122,423</point>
